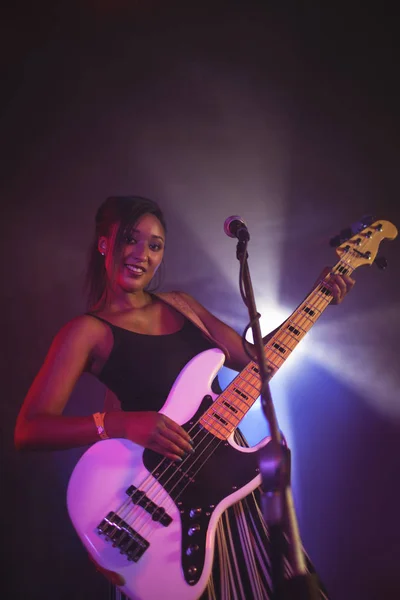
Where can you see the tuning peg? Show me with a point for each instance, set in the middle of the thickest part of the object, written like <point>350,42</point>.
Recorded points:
<point>341,237</point>
<point>381,262</point>
<point>355,228</point>
<point>365,221</point>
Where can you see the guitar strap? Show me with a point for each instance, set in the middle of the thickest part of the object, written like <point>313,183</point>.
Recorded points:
<point>176,300</point>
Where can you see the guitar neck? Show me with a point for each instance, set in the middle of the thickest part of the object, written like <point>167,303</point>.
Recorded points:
<point>231,406</point>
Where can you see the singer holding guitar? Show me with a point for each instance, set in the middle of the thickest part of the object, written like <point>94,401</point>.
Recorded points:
<point>136,342</point>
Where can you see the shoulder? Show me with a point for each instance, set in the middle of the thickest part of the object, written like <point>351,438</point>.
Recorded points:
<point>82,340</point>
<point>184,301</point>
<point>179,296</point>
<point>195,305</point>
<point>84,331</point>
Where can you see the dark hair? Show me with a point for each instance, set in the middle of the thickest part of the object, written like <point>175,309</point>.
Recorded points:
<point>123,212</point>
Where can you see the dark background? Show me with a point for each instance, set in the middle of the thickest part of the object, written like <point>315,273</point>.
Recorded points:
<point>286,115</point>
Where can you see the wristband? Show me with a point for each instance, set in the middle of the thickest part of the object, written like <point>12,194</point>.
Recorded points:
<point>99,422</point>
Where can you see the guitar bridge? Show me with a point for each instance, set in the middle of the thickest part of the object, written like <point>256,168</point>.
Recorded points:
<point>123,537</point>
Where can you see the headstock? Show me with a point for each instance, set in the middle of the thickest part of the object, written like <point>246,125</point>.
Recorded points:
<point>362,248</point>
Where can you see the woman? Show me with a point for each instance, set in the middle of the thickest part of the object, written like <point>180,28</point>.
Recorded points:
<point>127,335</point>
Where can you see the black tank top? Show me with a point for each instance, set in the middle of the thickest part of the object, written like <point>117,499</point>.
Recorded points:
<point>141,369</point>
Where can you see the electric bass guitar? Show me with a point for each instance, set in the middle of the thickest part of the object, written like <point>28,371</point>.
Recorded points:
<point>152,520</point>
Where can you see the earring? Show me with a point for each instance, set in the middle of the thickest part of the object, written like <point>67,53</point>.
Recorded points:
<point>102,253</point>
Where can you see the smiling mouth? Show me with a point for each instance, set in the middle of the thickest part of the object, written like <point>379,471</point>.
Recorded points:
<point>136,269</point>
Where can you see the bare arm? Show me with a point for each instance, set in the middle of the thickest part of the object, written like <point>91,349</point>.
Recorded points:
<point>41,424</point>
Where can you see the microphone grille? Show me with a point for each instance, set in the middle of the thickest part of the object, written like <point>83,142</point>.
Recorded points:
<point>228,225</point>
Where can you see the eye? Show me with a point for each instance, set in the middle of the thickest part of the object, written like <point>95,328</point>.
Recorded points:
<point>156,247</point>
<point>129,239</point>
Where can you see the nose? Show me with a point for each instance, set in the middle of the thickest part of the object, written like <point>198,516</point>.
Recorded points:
<point>140,250</point>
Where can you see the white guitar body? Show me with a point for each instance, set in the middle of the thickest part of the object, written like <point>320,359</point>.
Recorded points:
<point>98,485</point>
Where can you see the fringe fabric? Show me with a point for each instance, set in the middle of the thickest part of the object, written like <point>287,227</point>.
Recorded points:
<point>242,568</point>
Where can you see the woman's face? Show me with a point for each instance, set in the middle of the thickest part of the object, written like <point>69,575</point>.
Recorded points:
<point>141,255</point>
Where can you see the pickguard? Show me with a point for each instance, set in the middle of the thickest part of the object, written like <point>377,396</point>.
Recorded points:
<point>197,485</point>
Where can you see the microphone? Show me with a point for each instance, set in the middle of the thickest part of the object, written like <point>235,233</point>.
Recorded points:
<point>235,227</point>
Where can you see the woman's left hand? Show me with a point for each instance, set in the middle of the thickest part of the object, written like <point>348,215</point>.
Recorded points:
<point>339,285</point>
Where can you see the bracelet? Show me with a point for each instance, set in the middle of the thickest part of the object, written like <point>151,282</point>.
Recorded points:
<point>99,422</point>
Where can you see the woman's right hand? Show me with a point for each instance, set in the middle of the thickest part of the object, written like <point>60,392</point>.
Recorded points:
<point>155,431</point>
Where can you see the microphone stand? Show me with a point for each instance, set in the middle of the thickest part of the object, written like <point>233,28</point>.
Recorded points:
<point>275,467</point>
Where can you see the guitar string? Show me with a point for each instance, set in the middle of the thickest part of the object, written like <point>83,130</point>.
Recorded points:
<point>293,338</point>
<point>164,489</point>
<point>207,440</point>
<point>146,519</point>
<point>320,299</point>
<point>283,341</point>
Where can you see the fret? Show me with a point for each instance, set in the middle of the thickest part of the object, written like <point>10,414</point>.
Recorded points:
<point>288,343</point>
<point>343,270</point>
<point>275,367</point>
<point>231,406</point>
<point>279,360</point>
<point>307,318</point>
<point>241,393</point>
<point>281,344</point>
<point>221,423</point>
<point>248,388</point>
<point>228,408</point>
<point>295,332</point>
<point>306,324</point>
<point>269,359</point>
<point>324,299</point>
<point>307,321</point>
<point>285,342</point>
<point>283,348</point>
<point>235,409</point>
<point>214,427</point>
<point>310,311</point>
<point>278,347</point>
<point>237,401</point>
<point>223,419</point>
<point>253,382</point>
<point>324,290</point>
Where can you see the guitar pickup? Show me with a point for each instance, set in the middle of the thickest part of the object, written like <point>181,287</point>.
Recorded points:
<point>123,537</point>
<point>157,512</point>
